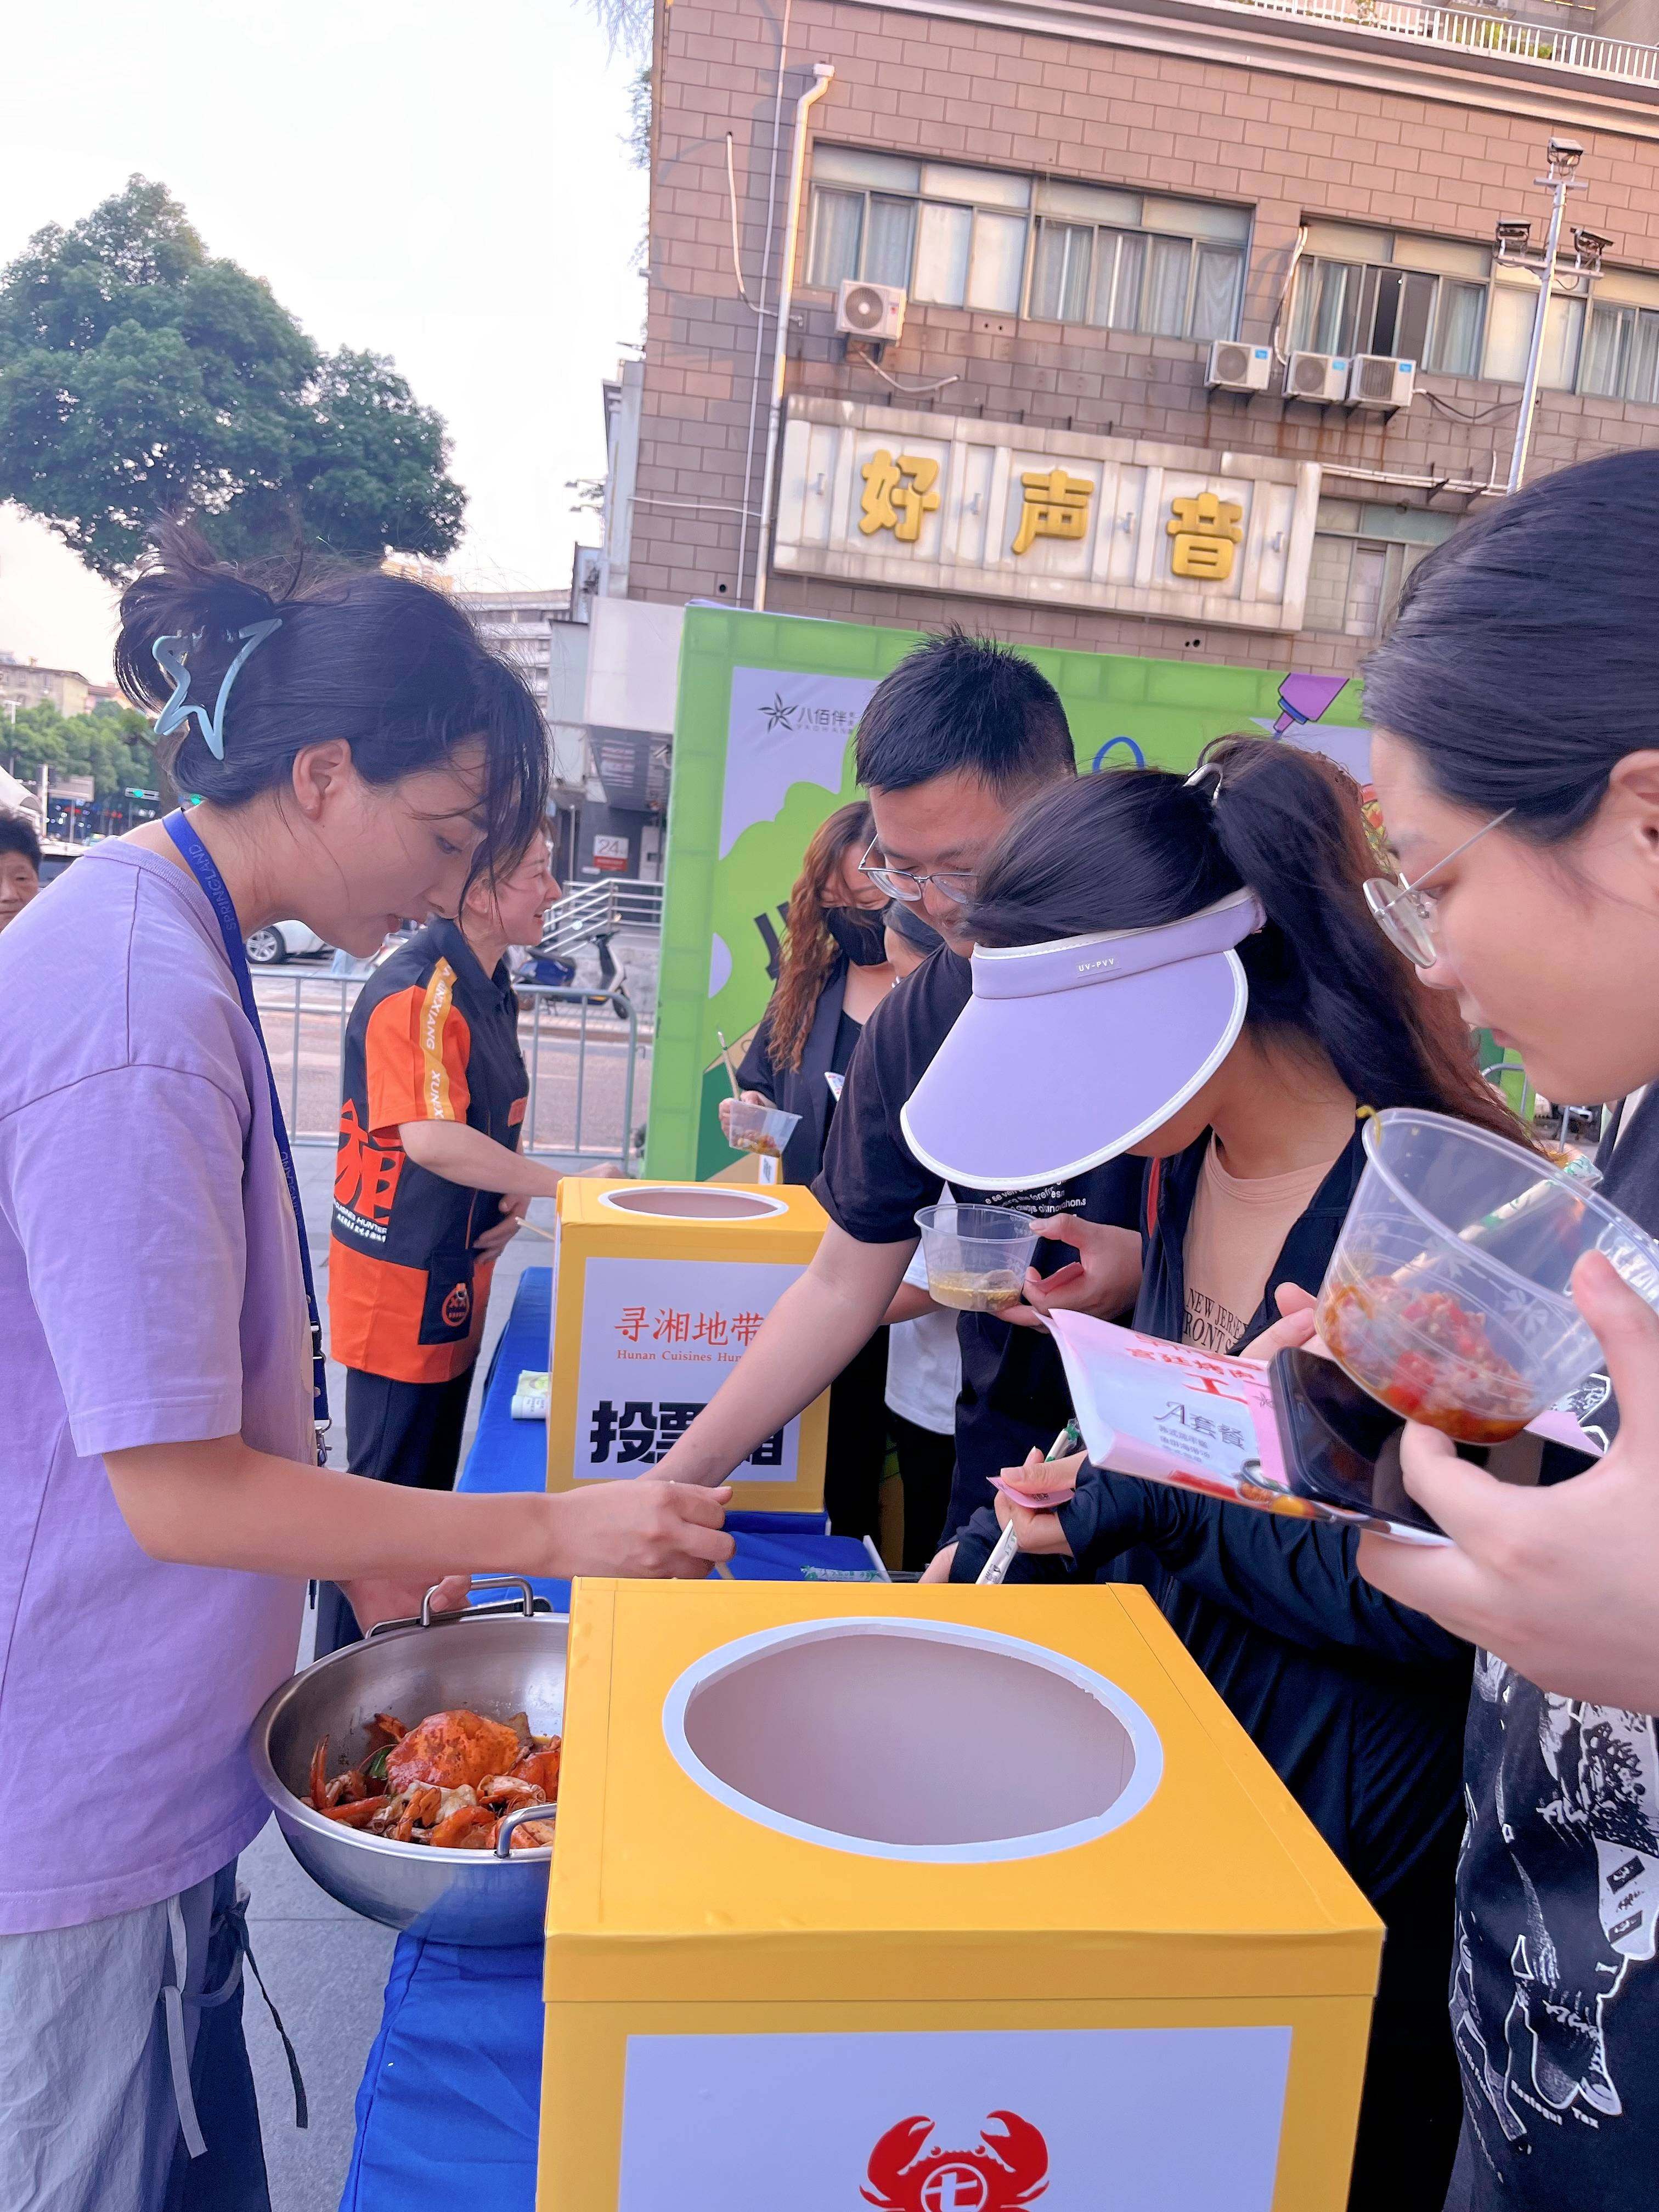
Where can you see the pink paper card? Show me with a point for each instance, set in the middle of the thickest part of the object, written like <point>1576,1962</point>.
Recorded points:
<point>1035,1501</point>
<point>1168,1413</point>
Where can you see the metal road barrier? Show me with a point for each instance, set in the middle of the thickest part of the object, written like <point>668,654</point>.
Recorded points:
<point>600,910</point>
<point>588,1063</point>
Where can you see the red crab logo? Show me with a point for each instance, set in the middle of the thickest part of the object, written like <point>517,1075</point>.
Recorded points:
<point>1003,2175</point>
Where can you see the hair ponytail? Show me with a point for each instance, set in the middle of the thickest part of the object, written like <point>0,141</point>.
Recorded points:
<point>390,665</point>
<point>185,590</point>
<point>1291,826</point>
<point>1133,848</point>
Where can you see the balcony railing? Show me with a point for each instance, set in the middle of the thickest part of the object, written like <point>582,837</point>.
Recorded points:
<point>1494,37</point>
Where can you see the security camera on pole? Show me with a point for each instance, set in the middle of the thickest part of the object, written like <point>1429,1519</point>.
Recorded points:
<point>1543,264</point>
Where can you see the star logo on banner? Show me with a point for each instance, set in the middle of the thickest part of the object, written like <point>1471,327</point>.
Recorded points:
<point>780,715</point>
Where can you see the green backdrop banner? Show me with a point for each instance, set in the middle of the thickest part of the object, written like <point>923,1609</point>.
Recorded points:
<point>767,709</point>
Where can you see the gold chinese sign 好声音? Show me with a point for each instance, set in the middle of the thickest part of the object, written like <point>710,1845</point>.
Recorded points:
<point>900,489</point>
<point>1206,531</point>
<point>897,493</point>
<point>1053,504</point>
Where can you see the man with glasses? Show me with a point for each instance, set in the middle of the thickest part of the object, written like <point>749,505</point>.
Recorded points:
<point>951,746</point>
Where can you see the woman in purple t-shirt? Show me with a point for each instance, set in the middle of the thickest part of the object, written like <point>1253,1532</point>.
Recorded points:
<point>360,757</point>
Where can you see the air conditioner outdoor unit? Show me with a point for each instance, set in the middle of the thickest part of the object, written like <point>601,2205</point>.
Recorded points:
<point>870,310</point>
<point>1236,368</point>
<point>1320,377</point>
<point>1377,379</point>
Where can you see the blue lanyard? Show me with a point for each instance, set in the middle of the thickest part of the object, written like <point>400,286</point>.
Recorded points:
<point>200,862</point>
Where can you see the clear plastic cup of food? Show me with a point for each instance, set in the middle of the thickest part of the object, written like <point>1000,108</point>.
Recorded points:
<point>1448,1296</point>
<point>976,1255</point>
<point>762,1129</point>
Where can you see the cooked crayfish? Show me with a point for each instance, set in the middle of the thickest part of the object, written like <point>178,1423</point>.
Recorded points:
<point>446,1782</point>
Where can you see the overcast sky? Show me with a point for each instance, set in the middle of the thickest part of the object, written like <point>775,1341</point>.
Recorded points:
<point>442,183</point>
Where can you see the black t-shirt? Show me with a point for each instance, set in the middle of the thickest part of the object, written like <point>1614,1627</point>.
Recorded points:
<point>1555,1993</point>
<point>1014,1388</point>
<point>848,1033</point>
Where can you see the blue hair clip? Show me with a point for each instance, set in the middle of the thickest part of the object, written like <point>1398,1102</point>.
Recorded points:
<point>170,653</point>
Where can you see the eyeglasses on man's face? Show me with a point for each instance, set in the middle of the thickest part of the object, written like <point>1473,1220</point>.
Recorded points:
<point>956,885</point>
<point>1404,915</point>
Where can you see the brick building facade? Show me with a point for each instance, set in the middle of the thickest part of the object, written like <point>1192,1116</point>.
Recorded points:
<point>1076,199</point>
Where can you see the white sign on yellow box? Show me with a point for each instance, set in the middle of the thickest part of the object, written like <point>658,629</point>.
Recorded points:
<point>942,1899</point>
<point>657,1291</point>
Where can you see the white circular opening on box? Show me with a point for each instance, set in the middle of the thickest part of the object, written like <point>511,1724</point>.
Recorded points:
<point>903,1739</point>
<point>694,1201</point>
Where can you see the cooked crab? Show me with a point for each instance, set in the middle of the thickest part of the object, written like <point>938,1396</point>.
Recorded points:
<point>455,1750</point>
<point>446,1782</point>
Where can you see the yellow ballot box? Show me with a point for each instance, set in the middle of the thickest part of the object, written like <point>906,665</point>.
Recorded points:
<point>937,1900</point>
<point>657,1291</point>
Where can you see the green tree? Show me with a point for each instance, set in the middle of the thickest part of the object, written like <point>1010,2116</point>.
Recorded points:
<point>111,745</point>
<point>139,376</point>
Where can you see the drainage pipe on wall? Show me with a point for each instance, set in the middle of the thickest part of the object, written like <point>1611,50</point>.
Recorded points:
<point>763,310</point>
<point>821,73</point>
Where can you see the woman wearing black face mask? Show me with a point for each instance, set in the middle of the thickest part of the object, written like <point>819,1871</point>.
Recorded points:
<point>833,974</point>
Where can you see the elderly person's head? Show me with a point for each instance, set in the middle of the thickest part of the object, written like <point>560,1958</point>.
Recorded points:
<point>20,864</point>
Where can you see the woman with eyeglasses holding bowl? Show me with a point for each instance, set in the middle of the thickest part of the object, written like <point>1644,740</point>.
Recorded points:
<point>1516,762</point>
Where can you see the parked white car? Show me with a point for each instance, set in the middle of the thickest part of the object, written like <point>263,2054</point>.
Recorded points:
<point>281,940</point>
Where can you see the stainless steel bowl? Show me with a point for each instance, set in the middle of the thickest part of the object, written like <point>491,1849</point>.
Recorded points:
<point>495,1660</point>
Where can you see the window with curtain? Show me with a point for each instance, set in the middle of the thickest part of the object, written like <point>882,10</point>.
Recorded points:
<point>955,237</point>
<point>892,240</point>
<point>1455,309</point>
<point>1564,341</point>
<point>1509,338</point>
<point>1621,356</point>
<point>1175,287</point>
<point>1060,273</point>
<point>1459,326</point>
<point>835,241</point>
<point>967,238</point>
<point>1350,307</point>
<point>1217,282</point>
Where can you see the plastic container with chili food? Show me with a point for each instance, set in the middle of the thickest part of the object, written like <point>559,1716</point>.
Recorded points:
<point>1448,1295</point>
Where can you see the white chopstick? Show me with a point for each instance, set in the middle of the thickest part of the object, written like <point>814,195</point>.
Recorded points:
<point>995,1569</point>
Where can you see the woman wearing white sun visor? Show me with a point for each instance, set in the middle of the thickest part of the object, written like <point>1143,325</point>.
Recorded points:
<point>1190,972</point>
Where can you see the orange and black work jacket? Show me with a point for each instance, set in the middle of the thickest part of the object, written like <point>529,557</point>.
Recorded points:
<point>431,1038</point>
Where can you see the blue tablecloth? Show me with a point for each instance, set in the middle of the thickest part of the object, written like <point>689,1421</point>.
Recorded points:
<point>450,2099</point>
<point>447,2111</point>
